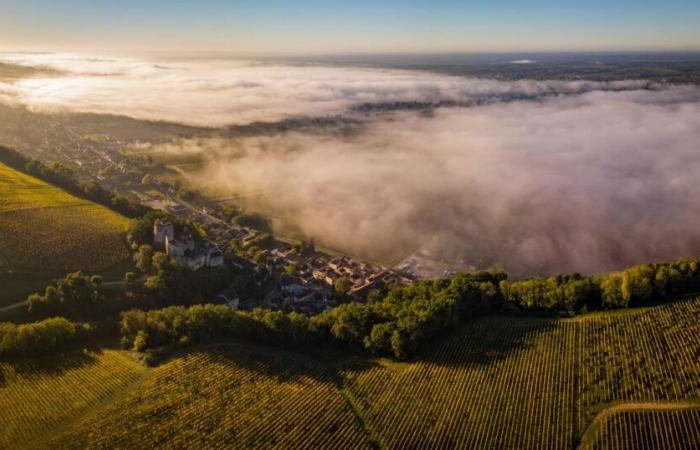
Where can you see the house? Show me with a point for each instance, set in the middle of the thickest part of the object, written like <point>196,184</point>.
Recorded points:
<point>177,246</point>
<point>162,230</point>
<point>230,296</point>
<point>241,263</point>
<point>183,249</point>
<point>216,258</point>
<point>292,286</point>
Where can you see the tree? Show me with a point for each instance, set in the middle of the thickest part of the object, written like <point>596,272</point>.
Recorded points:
<point>342,286</point>
<point>379,340</point>
<point>143,258</point>
<point>291,269</point>
<point>36,338</point>
<point>260,257</point>
<point>74,294</point>
<point>637,284</point>
<point>159,261</point>
<point>96,280</point>
<point>612,297</point>
<point>375,295</point>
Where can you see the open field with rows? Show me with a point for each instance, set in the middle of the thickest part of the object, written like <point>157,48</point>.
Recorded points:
<point>616,380</point>
<point>45,232</point>
<point>647,426</point>
<point>237,395</point>
<point>531,383</point>
<point>41,396</point>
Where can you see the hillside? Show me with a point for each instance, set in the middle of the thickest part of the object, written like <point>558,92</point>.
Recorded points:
<point>40,396</point>
<point>640,426</point>
<point>45,232</point>
<point>496,382</point>
<point>242,394</point>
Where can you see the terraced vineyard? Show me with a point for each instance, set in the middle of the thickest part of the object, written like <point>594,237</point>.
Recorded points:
<point>46,231</point>
<point>496,382</point>
<point>237,395</point>
<point>39,397</point>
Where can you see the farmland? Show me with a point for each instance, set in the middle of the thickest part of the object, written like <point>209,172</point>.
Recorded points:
<point>617,379</point>
<point>210,399</point>
<point>45,394</point>
<point>542,381</point>
<point>646,426</point>
<point>46,232</point>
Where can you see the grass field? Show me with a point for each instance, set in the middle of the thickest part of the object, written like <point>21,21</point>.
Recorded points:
<point>615,380</point>
<point>46,232</point>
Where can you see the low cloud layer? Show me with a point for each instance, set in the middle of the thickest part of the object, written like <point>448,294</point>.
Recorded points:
<point>587,183</point>
<point>224,92</point>
<point>536,177</point>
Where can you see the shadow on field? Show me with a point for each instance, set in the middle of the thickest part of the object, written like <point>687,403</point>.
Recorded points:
<point>283,365</point>
<point>486,340</point>
<point>50,365</point>
<point>480,342</point>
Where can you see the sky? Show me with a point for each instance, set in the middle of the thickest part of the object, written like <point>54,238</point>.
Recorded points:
<point>357,26</point>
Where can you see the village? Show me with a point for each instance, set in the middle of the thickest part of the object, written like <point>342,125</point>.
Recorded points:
<point>300,278</point>
<point>305,280</point>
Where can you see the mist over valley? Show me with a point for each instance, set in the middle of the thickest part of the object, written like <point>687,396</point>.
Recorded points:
<point>536,176</point>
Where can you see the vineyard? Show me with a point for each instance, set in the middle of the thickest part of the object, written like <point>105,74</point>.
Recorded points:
<point>238,395</point>
<point>609,380</point>
<point>531,383</point>
<point>44,230</point>
<point>647,426</point>
<point>498,383</point>
<point>39,397</point>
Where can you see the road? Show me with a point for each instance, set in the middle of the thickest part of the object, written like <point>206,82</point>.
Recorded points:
<point>13,306</point>
<point>197,210</point>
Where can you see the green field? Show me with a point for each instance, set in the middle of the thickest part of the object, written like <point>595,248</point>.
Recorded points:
<point>46,232</point>
<point>618,380</point>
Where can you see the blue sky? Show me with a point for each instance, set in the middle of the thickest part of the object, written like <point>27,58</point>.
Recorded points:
<point>333,26</point>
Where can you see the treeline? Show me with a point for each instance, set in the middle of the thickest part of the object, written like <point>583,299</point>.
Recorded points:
<point>394,326</point>
<point>61,176</point>
<point>74,295</point>
<point>39,337</point>
<point>398,323</point>
<point>637,286</point>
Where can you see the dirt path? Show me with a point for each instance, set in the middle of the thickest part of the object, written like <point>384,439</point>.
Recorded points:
<point>589,435</point>
<point>13,306</point>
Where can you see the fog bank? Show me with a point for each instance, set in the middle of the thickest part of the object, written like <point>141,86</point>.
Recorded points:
<point>216,93</point>
<point>534,176</point>
<point>587,183</point>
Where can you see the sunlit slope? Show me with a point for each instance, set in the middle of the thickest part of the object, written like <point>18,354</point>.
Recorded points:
<point>237,396</point>
<point>497,382</point>
<point>44,228</point>
<point>530,383</point>
<point>40,397</point>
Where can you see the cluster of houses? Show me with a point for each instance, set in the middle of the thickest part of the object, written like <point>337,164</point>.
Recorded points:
<point>310,287</point>
<point>307,287</point>
<point>183,248</point>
